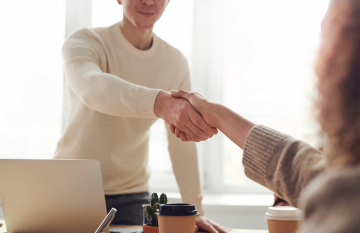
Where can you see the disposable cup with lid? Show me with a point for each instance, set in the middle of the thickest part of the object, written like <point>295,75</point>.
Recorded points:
<point>177,218</point>
<point>285,213</point>
<point>283,219</point>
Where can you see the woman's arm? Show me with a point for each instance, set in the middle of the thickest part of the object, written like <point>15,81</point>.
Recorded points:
<point>275,160</point>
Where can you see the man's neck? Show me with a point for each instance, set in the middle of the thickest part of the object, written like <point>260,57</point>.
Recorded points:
<point>140,38</point>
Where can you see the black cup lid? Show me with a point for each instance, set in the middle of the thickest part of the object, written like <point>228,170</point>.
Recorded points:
<point>177,209</point>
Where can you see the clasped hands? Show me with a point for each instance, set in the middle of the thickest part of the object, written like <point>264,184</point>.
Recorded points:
<point>187,114</point>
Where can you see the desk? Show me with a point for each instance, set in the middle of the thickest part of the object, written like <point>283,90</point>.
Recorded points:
<point>233,231</point>
<point>3,228</point>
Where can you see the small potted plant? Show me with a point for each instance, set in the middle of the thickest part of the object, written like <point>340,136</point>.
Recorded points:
<point>150,211</point>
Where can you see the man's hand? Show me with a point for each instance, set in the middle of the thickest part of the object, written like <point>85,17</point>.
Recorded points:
<point>208,225</point>
<point>229,122</point>
<point>180,113</point>
<point>200,104</point>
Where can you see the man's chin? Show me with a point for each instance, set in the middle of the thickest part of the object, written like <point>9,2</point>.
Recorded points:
<point>145,25</point>
<point>148,27</point>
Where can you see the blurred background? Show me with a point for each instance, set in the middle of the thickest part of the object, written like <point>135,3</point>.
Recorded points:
<point>254,56</point>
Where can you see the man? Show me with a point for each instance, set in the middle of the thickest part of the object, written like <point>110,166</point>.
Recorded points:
<point>118,78</point>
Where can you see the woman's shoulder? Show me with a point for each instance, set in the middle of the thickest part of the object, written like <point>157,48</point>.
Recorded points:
<point>331,202</point>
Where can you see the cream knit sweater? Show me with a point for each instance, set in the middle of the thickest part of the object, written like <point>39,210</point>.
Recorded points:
<point>112,90</point>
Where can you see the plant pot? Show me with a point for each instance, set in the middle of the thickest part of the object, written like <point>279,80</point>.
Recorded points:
<point>150,229</point>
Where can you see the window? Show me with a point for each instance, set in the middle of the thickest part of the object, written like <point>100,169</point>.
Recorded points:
<point>254,56</point>
<point>269,50</point>
<point>31,77</point>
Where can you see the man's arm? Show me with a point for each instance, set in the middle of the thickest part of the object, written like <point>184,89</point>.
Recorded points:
<point>185,166</point>
<point>106,93</point>
<point>184,161</point>
<point>85,69</point>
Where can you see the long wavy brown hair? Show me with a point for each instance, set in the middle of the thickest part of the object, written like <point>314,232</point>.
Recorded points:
<point>338,69</point>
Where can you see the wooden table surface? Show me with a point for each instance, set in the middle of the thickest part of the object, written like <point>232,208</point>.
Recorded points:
<point>233,231</point>
<point>3,228</point>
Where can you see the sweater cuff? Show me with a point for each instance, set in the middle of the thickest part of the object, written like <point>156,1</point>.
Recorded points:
<point>260,148</point>
<point>146,101</point>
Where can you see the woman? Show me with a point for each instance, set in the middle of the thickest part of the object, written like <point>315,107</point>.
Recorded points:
<point>325,186</point>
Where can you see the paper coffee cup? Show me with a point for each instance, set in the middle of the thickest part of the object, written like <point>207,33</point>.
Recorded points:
<point>283,219</point>
<point>177,218</point>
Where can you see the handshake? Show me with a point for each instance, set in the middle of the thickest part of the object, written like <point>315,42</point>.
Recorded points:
<point>188,114</point>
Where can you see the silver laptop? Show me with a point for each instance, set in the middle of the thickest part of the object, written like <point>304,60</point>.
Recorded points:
<point>52,195</point>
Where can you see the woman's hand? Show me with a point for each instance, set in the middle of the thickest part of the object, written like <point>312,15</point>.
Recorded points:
<point>224,119</point>
<point>180,113</point>
<point>200,104</point>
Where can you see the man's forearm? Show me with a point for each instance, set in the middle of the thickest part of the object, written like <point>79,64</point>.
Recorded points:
<point>186,170</point>
<point>159,104</point>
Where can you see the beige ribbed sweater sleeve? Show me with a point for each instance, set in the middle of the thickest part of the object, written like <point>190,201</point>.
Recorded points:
<point>281,163</point>
<point>184,161</point>
<point>85,63</point>
<point>329,196</point>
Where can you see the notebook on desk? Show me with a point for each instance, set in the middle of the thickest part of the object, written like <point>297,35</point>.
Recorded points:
<point>52,195</point>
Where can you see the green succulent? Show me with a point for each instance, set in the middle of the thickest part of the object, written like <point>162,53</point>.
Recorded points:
<point>150,210</point>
